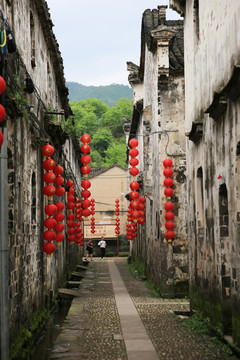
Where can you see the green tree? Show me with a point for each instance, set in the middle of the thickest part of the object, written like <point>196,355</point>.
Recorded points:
<point>113,117</point>
<point>105,126</point>
<point>115,154</point>
<point>101,140</point>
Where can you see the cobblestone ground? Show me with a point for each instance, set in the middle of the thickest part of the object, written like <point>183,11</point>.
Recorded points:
<point>92,328</point>
<point>171,339</point>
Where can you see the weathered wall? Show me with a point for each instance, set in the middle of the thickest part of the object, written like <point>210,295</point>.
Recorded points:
<point>212,49</point>
<point>34,278</point>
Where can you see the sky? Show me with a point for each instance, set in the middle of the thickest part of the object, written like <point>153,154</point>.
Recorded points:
<point>97,37</point>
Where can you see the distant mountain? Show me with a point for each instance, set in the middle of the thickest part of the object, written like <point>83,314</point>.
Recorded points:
<point>109,94</point>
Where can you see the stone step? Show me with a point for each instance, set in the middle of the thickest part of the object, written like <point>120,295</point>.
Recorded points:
<point>81,268</point>
<point>77,274</point>
<point>67,293</point>
<point>73,284</point>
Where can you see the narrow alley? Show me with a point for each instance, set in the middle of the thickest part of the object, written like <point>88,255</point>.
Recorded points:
<point>116,316</point>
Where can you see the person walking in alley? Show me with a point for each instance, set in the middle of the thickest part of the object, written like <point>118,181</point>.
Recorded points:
<point>89,249</point>
<point>102,244</point>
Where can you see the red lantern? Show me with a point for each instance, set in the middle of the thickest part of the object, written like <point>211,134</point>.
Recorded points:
<point>133,153</point>
<point>2,85</point>
<point>169,234</point>
<point>141,206</point>
<point>169,225</point>
<point>50,223</point>
<point>70,216</point>
<point>47,150</point>
<point>59,217</point>
<point>168,192</point>
<point>50,209</point>
<point>133,143</point>
<point>71,190</point>
<point>86,194</point>
<point>2,113</point>
<point>86,203</point>
<point>49,190</point>
<point>70,223</point>
<point>168,182</point>
<point>133,162</point>
<point>117,232</point>
<point>169,206</point>
<point>49,164</point>
<point>71,238</point>
<point>134,171</point>
<point>69,183</point>
<point>70,197</point>
<point>141,213</point>
<point>71,231</point>
<point>58,170</point>
<point>86,184</point>
<point>49,177</point>
<point>134,195</point>
<point>167,163</point>
<point>85,149</point>
<point>86,212</point>
<point>59,180</point>
<point>59,227</point>
<point>85,139</point>
<point>1,138</point>
<point>70,205</point>
<point>169,215</point>
<point>142,199</point>
<point>49,248</point>
<point>59,205</point>
<point>59,237</point>
<point>85,159</point>
<point>85,169</point>
<point>141,220</point>
<point>134,185</point>
<point>77,224</point>
<point>49,235</point>
<point>134,204</point>
<point>60,191</point>
<point>168,172</point>
<point>135,214</point>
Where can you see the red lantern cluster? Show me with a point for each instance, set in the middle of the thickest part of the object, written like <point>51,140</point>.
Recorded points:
<point>59,180</point>
<point>78,217</point>
<point>49,189</point>
<point>169,206</point>
<point>59,217</point>
<point>85,169</point>
<point>2,109</point>
<point>117,227</point>
<point>70,207</point>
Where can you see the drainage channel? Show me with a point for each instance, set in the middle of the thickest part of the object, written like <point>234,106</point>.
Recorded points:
<point>46,343</point>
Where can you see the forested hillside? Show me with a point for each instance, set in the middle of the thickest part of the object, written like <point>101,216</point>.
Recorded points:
<point>105,126</point>
<point>109,94</point>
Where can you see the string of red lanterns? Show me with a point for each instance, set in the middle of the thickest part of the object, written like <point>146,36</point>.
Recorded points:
<point>85,169</point>
<point>78,229</point>
<point>50,223</point>
<point>70,207</point>
<point>2,109</point>
<point>169,206</point>
<point>117,227</point>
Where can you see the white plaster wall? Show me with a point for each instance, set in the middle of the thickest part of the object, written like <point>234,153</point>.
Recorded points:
<point>212,56</point>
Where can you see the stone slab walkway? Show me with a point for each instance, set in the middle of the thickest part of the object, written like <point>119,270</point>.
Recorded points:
<point>116,317</point>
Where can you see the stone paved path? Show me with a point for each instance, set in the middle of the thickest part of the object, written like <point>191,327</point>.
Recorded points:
<point>92,329</point>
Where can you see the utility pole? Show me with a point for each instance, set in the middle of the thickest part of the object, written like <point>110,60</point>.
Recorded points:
<point>4,253</point>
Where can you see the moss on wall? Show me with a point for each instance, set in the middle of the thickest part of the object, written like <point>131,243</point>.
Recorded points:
<point>23,344</point>
<point>211,308</point>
